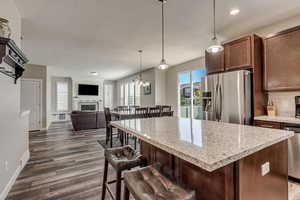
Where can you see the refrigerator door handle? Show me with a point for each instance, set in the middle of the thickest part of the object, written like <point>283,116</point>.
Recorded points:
<point>221,102</point>
<point>215,102</point>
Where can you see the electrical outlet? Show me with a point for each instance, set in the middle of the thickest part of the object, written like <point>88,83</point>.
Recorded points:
<point>6,165</point>
<point>265,168</point>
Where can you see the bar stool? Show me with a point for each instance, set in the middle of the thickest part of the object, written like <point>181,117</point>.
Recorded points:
<point>148,183</point>
<point>120,158</point>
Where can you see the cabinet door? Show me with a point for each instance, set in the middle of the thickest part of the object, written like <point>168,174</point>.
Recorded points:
<point>265,124</point>
<point>214,62</point>
<point>238,54</point>
<point>282,61</point>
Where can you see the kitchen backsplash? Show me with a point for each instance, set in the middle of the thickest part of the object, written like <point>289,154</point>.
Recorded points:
<point>284,102</point>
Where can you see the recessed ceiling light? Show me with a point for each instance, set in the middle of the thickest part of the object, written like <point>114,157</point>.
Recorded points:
<point>234,11</point>
<point>94,73</point>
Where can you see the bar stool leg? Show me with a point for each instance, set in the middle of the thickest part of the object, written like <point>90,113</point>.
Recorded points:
<point>111,137</point>
<point>118,185</point>
<point>104,180</point>
<point>134,143</point>
<point>126,193</point>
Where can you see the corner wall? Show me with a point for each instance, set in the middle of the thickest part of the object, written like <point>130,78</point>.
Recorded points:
<point>14,126</point>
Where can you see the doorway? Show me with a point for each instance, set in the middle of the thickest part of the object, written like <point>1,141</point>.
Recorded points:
<point>31,99</point>
<point>190,94</point>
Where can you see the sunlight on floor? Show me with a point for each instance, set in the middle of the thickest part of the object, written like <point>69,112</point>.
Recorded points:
<point>294,191</point>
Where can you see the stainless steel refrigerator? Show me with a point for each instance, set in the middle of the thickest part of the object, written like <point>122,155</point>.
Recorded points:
<point>227,97</point>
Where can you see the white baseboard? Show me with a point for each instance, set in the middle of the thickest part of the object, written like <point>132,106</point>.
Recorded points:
<point>24,159</point>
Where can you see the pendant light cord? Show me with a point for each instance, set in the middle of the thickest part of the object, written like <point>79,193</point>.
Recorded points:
<point>163,29</point>
<point>141,51</point>
<point>214,13</point>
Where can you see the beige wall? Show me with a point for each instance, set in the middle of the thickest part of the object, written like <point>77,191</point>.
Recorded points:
<point>14,127</point>
<point>39,72</point>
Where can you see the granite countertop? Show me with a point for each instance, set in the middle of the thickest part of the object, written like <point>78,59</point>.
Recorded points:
<point>207,144</point>
<point>282,119</point>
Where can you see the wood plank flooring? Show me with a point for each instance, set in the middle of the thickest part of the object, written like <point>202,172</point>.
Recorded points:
<point>64,165</point>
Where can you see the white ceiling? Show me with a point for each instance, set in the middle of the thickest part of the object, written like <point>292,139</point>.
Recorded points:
<point>104,35</point>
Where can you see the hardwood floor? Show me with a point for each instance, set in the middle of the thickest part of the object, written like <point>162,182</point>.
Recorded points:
<point>64,165</point>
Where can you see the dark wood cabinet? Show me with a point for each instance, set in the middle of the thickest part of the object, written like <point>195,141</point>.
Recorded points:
<point>238,54</point>
<point>267,124</point>
<point>214,62</point>
<point>247,53</point>
<point>282,61</point>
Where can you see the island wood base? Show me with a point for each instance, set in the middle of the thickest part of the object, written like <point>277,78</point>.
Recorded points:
<point>241,180</point>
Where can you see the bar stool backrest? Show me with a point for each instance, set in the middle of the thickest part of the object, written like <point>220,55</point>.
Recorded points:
<point>154,112</point>
<point>142,112</point>
<point>107,115</point>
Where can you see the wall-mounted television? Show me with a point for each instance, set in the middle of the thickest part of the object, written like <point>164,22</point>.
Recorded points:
<point>89,90</point>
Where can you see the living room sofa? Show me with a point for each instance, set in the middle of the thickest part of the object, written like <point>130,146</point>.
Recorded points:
<point>85,120</point>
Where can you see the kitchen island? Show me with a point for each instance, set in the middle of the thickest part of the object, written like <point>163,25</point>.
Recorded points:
<point>220,161</point>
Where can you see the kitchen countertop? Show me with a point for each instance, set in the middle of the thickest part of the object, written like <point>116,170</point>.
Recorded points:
<point>207,144</point>
<point>291,120</point>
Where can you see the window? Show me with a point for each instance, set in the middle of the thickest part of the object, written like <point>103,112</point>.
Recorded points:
<point>108,97</point>
<point>62,95</point>
<point>137,95</point>
<point>130,94</point>
<point>121,95</point>
<point>126,94</point>
<point>190,94</point>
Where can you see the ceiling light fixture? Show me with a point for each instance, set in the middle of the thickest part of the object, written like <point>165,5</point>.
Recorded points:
<point>163,63</point>
<point>139,81</point>
<point>215,47</point>
<point>234,11</point>
<point>94,73</point>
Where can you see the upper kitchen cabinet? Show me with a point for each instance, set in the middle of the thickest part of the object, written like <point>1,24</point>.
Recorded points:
<point>238,53</point>
<point>282,61</point>
<point>247,53</point>
<point>214,62</point>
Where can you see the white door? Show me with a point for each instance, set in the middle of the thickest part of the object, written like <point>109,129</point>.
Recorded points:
<point>108,95</point>
<point>31,100</point>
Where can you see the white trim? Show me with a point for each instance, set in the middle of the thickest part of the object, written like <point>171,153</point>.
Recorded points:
<point>41,99</point>
<point>24,159</point>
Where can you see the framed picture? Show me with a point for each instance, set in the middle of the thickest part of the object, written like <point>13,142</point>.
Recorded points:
<point>147,90</point>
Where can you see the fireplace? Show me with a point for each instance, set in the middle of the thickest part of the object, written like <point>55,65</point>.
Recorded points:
<point>88,106</point>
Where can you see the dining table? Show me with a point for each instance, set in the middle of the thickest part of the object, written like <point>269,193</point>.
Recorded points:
<point>130,114</point>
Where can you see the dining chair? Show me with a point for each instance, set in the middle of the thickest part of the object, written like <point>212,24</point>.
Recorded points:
<point>154,112</point>
<point>166,111</point>
<point>109,130</point>
<point>141,112</point>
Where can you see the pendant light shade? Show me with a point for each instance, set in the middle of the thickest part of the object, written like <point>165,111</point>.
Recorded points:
<point>215,46</point>
<point>163,63</point>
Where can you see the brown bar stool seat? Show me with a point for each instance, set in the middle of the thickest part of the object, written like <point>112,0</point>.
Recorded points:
<point>120,158</point>
<point>149,184</point>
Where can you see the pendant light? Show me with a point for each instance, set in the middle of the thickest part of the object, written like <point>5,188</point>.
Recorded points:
<point>163,64</point>
<point>215,47</point>
<point>139,81</point>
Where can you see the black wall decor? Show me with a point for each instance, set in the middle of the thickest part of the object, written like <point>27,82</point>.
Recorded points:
<point>147,90</point>
<point>12,59</point>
